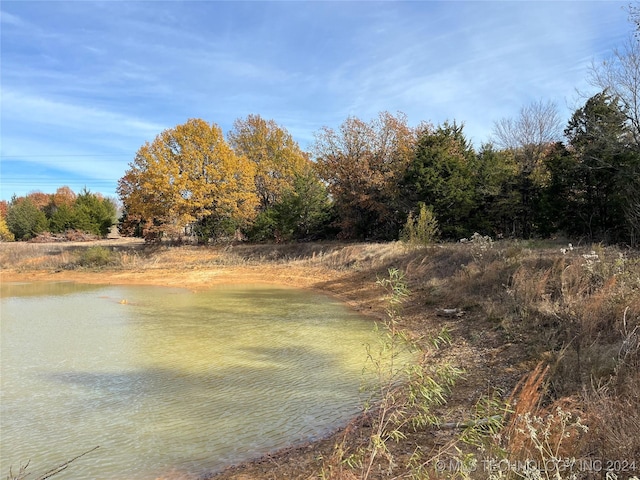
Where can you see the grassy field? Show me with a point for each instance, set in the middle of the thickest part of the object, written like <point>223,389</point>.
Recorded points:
<point>547,336</point>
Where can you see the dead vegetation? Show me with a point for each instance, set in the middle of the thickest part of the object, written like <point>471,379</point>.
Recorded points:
<point>548,335</point>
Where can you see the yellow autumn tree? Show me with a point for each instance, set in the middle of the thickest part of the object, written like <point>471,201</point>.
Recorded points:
<point>277,157</point>
<point>5,233</point>
<point>188,175</point>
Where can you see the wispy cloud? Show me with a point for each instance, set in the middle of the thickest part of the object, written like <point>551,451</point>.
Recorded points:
<point>12,20</point>
<point>96,124</point>
<point>77,145</point>
<point>97,78</point>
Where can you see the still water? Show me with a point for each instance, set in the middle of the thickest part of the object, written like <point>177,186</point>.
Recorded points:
<point>167,381</point>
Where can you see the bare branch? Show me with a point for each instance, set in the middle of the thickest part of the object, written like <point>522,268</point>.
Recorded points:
<point>23,474</point>
<point>537,124</point>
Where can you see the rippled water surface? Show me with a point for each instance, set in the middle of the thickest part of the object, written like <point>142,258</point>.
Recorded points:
<point>167,381</point>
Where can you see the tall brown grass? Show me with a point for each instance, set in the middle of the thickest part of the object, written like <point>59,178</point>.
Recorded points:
<point>581,313</point>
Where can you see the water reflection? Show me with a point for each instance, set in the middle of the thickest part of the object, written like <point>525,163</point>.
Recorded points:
<point>165,379</point>
<point>39,289</point>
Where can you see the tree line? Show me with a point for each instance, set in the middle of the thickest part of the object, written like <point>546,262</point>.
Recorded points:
<point>368,181</point>
<point>372,180</point>
<point>365,179</point>
<point>24,218</point>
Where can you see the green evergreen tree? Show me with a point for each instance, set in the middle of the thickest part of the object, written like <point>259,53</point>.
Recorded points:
<point>560,199</point>
<point>62,218</point>
<point>607,168</point>
<point>93,213</point>
<point>305,207</point>
<point>302,212</point>
<point>441,175</point>
<point>527,137</point>
<point>24,219</point>
<point>497,198</point>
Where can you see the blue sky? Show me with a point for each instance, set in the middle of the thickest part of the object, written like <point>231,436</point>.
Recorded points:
<point>84,84</point>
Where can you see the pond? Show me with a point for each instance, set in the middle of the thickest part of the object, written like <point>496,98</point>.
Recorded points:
<point>170,382</point>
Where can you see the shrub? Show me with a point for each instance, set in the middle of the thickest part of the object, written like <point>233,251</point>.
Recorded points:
<point>96,257</point>
<point>25,220</point>
<point>422,230</point>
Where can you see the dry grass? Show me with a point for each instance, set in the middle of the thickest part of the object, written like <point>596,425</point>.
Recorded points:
<point>574,310</point>
<point>31,256</point>
<point>614,420</point>
<point>581,313</point>
<point>528,415</point>
<point>577,311</point>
